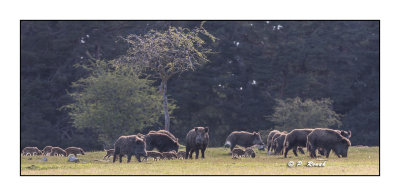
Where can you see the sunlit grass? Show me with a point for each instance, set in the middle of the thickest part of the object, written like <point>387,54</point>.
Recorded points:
<point>361,161</point>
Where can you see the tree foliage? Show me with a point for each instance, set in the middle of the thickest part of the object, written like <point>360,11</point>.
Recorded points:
<point>114,103</point>
<point>163,54</point>
<point>294,113</point>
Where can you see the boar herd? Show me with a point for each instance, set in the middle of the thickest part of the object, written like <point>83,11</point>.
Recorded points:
<point>166,144</point>
<point>163,141</point>
<point>52,151</point>
<point>322,139</point>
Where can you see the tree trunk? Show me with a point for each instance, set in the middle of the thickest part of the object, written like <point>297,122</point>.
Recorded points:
<point>165,103</point>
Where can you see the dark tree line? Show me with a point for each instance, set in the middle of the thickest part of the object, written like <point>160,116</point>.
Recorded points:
<point>256,63</point>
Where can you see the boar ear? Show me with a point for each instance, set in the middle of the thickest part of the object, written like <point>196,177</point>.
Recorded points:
<point>196,129</point>
<point>206,129</point>
<point>349,133</point>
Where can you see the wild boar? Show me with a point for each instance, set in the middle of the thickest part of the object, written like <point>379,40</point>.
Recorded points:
<point>237,152</point>
<point>155,155</point>
<point>32,151</point>
<point>244,139</point>
<point>346,134</point>
<point>169,155</point>
<point>129,145</point>
<point>296,138</point>
<point>162,142</point>
<point>46,150</point>
<point>109,153</point>
<point>249,152</point>
<point>269,139</point>
<point>196,139</point>
<point>278,143</point>
<point>75,151</point>
<point>57,151</point>
<point>181,154</point>
<point>329,140</point>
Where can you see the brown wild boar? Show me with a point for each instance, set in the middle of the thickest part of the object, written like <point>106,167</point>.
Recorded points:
<point>329,140</point>
<point>155,155</point>
<point>46,150</point>
<point>269,139</point>
<point>32,151</point>
<point>129,145</point>
<point>296,138</point>
<point>237,152</point>
<point>249,152</point>
<point>109,153</point>
<point>181,154</point>
<point>75,151</point>
<point>57,151</point>
<point>244,139</point>
<point>169,155</point>
<point>196,139</point>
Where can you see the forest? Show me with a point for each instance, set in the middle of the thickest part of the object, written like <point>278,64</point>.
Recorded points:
<point>251,75</point>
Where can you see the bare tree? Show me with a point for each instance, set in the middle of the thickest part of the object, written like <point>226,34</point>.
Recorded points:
<point>162,54</point>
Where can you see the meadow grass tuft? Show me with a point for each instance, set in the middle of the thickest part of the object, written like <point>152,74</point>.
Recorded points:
<point>360,161</point>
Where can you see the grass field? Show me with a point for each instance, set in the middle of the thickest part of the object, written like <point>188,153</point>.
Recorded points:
<point>360,161</point>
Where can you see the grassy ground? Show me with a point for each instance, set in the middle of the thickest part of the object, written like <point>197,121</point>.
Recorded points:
<point>360,161</point>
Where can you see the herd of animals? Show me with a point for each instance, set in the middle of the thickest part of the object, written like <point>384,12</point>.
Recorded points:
<point>323,140</point>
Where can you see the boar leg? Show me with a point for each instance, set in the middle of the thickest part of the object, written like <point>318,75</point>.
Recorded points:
<point>197,153</point>
<point>287,149</point>
<point>301,150</point>
<point>202,153</point>
<point>295,150</point>
<point>129,158</point>
<point>120,158</point>
<point>187,152</point>
<point>327,151</point>
<point>312,152</point>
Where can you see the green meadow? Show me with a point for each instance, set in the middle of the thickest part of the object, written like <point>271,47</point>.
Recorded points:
<point>360,161</point>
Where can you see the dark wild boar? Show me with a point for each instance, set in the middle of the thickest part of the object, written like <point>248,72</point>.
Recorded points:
<point>278,143</point>
<point>129,145</point>
<point>162,142</point>
<point>196,139</point>
<point>269,139</point>
<point>329,140</point>
<point>296,138</point>
<point>244,139</point>
<point>273,145</point>
<point>346,134</point>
